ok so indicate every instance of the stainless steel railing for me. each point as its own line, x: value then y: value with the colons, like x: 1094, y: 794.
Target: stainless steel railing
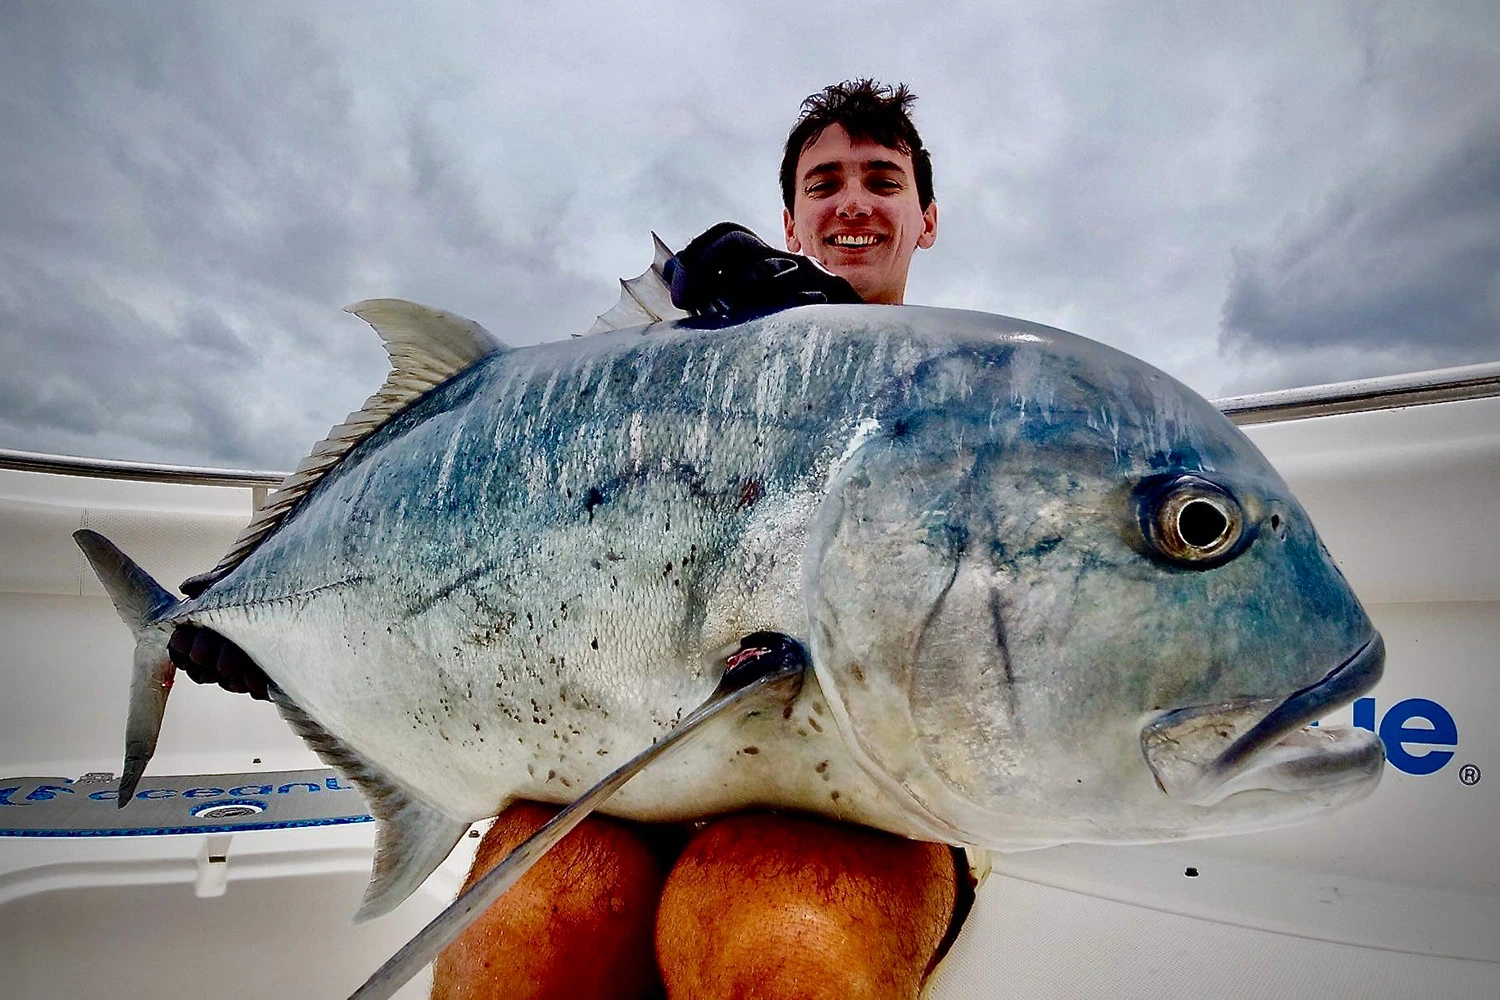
x: 1443, y: 385
x: 147, y: 472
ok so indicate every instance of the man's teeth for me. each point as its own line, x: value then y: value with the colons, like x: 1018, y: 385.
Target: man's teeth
x: 854, y: 241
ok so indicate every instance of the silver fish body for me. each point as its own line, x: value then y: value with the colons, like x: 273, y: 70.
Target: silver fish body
x: 526, y: 577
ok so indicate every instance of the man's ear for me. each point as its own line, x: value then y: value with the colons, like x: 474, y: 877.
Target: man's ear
x: 792, y: 243
x: 929, y: 226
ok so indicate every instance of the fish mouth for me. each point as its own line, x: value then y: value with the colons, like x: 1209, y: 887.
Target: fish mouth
x: 1205, y: 753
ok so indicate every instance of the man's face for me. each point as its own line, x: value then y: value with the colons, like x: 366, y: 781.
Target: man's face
x: 856, y: 211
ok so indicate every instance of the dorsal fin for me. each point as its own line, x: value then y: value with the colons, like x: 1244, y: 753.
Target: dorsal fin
x: 644, y: 298
x: 427, y: 347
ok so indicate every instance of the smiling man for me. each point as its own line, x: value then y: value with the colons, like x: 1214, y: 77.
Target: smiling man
x: 856, y: 183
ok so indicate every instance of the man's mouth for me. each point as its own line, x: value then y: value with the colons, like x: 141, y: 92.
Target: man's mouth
x: 854, y: 241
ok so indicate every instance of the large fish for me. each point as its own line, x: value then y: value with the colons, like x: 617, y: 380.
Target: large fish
x: 1049, y: 593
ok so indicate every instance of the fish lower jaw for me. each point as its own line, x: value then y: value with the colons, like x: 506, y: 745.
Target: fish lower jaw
x: 1312, y: 761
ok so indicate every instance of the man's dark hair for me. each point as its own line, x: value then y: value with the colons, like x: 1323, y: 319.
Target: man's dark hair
x: 869, y: 112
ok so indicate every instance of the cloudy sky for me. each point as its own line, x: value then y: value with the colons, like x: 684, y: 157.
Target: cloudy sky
x: 1249, y: 195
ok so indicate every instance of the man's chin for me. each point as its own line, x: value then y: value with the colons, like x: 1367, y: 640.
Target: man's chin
x: 869, y: 279
x: 875, y: 289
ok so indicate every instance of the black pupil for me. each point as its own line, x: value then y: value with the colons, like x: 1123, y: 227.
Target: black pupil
x: 1201, y: 523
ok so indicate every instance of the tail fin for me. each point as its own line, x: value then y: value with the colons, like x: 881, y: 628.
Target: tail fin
x: 142, y: 603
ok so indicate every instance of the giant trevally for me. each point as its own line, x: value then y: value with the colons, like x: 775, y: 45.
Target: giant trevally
x: 1049, y: 593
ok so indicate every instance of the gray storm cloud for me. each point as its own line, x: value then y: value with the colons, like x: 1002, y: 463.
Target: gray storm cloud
x: 190, y: 193
x: 1409, y: 263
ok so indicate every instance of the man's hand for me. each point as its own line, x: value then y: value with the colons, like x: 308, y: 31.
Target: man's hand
x: 209, y: 658
x: 730, y: 271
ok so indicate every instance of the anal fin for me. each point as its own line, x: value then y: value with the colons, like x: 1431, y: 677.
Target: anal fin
x: 413, y: 837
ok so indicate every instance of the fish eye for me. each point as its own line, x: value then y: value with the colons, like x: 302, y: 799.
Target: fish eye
x: 1192, y: 521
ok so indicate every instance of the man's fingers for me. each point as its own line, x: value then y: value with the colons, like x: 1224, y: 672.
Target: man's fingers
x: 209, y: 658
x: 767, y: 905
x: 180, y: 649
x: 205, y: 651
x: 182, y: 639
x: 232, y: 666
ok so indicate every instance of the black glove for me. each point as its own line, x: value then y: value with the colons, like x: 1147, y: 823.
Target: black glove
x: 729, y: 270
x: 209, y: 658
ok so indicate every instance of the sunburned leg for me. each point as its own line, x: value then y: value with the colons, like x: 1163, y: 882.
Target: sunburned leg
x: 766, y: 907
x: 578, y: 925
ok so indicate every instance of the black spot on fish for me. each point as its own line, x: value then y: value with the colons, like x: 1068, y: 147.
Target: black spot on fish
x: 752, y: 751
x: 814, y: 723
x: 1046, y: 545
x: 834, y: 796
x: 594, y: 642
x: 822, y: 766
x: 594, y: 499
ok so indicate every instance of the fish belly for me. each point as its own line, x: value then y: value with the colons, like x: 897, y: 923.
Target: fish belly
x: 461, y: 714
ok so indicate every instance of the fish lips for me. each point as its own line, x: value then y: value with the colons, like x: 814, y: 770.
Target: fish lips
x: 1269, y: 746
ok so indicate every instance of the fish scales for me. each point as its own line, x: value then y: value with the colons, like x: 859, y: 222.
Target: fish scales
x: 653, y: 559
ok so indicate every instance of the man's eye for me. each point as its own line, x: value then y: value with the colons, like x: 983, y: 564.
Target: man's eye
x: 885, y: 186
x: 822, y: 187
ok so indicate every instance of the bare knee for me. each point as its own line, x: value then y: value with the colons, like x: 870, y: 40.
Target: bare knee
x: 762, y: 906
x: 578, y: 925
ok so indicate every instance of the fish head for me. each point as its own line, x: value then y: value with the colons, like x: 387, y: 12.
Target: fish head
x: 1056, y: 597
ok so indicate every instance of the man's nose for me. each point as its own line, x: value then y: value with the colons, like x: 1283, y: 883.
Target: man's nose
x: 853, y: 206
